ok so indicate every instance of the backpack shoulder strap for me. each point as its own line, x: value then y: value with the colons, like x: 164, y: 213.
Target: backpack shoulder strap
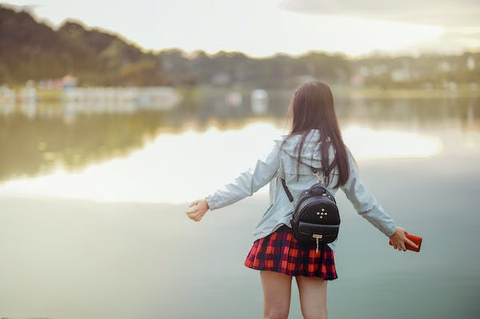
x: 290, y: 197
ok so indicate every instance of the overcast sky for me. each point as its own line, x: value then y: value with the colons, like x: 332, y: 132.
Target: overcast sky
x: 261, y: 28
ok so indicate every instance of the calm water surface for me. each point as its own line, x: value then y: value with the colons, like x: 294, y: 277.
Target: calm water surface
x: 92, y: 221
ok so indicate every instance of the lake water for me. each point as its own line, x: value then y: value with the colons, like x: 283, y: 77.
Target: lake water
x: 92, y: 221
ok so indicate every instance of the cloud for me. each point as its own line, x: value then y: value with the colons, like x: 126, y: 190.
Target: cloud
x: 454, y: 40
x: 446, y: 13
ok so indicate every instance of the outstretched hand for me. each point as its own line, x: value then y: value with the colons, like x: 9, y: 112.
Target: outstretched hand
x: 198, y: 210
x: 399, y: 240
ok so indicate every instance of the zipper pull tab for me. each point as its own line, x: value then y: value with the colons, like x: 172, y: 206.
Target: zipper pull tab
x: 317, y: 237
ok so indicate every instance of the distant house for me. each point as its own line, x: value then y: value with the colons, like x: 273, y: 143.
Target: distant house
x: 401, y: 74
x: 69, y: 81
x: 357, y: 80
x: 66, y: 82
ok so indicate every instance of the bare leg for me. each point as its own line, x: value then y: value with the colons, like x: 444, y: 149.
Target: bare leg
x: 313, y: 297
x: 276, y: 294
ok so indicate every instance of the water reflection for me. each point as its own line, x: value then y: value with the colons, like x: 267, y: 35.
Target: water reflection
x: 160, y: 171
x: 39, y: 143
x: 31, y: 147
x: 367, y: 143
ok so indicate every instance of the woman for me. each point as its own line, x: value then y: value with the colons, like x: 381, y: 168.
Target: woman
x: 314, y: 140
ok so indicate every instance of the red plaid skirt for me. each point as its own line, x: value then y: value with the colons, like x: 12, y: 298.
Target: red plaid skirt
x: 282, y: 252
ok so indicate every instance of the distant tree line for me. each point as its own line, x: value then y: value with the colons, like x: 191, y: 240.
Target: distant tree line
x: 31, y: 50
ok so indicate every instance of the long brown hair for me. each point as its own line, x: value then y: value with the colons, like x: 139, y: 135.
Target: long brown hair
x: 312, y: 107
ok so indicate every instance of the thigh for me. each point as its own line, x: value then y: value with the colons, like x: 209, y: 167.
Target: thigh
x: 276, y: 291
x: 313, y: 296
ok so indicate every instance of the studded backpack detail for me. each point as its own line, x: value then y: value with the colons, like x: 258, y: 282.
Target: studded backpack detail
x: 315, y: 216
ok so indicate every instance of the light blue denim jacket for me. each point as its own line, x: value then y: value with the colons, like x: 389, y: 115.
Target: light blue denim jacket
x: 282, y: 163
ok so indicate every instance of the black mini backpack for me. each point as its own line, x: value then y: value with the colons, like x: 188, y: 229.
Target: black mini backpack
x: 315, y: 216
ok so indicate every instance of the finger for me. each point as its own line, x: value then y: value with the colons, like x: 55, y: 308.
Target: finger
x: 411, y: 243
x: 193, y: 213
x: 192, y: 210
x: 195, y: 202
x: 196, y: 214
x: 194, y: 218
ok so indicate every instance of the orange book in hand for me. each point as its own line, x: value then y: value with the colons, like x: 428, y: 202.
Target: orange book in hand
x: 416, y: 239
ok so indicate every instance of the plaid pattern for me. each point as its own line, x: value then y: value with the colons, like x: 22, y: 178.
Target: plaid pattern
x: 282, y: 252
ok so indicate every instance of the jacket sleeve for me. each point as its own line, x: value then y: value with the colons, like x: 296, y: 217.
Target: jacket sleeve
x: 248, y: 182
x: 365, y: 202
